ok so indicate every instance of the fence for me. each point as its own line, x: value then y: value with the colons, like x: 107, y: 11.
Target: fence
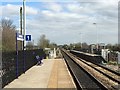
x: 9, y: 63
x: 89, y: 57
x: 113, y: 56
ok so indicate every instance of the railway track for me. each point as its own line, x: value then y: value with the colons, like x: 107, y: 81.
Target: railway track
x: 82, y: 78
x: 102, y: 66
x: 105, y: 71
x: 113, y: 75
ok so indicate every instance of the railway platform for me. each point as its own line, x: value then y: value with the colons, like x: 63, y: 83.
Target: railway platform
x: 53, y: 73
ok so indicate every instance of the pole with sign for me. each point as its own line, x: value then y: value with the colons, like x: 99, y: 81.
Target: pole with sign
x: 19, y: 37
x: 16, y: 57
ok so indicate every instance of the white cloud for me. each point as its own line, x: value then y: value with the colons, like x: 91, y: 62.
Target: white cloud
x: 13, y: 10
x: 38, y: 1
x: 96, y: 10
x: 62, y: 22
x: 10, y: 9
x: 60, y: 1
x: 48, y: 13
x: 31, y: 11
x: 70, y: 24
x: 64, y: 15
x: 54, y: 7
x: 74, y: 7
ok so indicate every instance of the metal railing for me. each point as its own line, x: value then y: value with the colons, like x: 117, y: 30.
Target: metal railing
x: 25, y: 61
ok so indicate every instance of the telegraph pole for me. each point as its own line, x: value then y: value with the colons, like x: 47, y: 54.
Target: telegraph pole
x: 81, y: 39
x: 97, y: 34
x: 24, y: 22
x: 21, y: 20
x: 21, y: 26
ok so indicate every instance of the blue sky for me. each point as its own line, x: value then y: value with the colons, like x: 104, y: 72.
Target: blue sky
x: 65, y: 22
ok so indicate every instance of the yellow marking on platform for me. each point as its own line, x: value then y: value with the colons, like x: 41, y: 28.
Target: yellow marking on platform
x: 60, y: 76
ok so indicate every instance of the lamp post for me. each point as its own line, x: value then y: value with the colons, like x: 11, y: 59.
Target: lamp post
x: 24, y: 23
x: 21, y: 26
x: 81, y: 39
x: 24, y: 36
x: 97, y: 35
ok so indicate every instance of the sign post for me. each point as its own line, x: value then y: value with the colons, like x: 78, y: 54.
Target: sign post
x: 16, y: 57
x: 19, y: 37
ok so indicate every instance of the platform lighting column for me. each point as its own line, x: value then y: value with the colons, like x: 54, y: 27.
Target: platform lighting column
x: 81, y: 39
x: 96, y: 35
x: 24, y: 22
x: 24, y: 44
x: 21, y: 26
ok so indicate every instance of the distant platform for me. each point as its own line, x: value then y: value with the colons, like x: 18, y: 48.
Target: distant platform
x: 53, y: 73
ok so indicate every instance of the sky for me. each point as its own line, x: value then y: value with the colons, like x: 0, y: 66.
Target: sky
x: 67, y: 21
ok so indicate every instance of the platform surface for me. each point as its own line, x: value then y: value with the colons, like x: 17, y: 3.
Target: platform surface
x: 53, y: 73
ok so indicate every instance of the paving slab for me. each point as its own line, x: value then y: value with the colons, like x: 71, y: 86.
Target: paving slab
x: 35, y: 77
x: 60, y: 76
x: 53, y: 73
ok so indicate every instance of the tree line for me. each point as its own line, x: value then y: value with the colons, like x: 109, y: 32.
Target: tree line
x: 42, y: 43
x: 8, y: 31
x: 85, y: 46
x: 8, y: 38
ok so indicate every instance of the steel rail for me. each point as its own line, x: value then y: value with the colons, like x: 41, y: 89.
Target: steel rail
x: 83, y: 78
x: 116, y: 80
x: 104, y: 73
x: 117, y: 73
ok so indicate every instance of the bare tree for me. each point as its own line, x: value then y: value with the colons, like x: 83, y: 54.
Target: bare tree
x: 43, y: 42
x: 8, y: 35
x: 53, y: 45
x: 85, y: 45
x: 30, y: 45
x: 7, y: 25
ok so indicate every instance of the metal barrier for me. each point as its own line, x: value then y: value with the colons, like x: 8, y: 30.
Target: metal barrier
x: 89, y: 57
x: 113, y: 56
x: 25, y: 61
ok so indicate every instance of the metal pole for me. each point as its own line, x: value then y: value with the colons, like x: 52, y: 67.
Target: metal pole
x: 24, y: 36
x: 16, y: 57
x: 21, y: 26
x: 21, y: 20
x: 81, y: 39
x: 97, y: 34
x: 24, y: 21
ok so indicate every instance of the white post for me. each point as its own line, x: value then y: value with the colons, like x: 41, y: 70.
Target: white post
x: 105, y: 53
x: 108, y: 54
x: 54, y: 53
x: 24, y: 24
x: 92, y: 47
x: 118, y: 57
x: 24, y: 44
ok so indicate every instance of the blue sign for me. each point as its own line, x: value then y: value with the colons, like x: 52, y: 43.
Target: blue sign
x: 28, y: 37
